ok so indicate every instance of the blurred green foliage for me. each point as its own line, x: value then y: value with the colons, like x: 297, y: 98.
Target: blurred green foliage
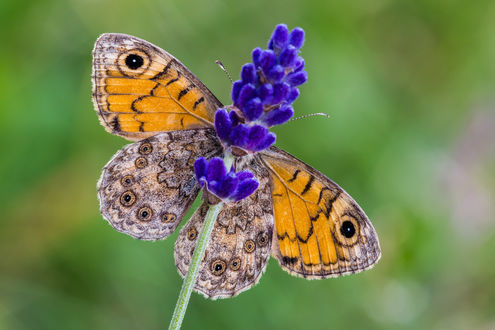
x: 409, y: 86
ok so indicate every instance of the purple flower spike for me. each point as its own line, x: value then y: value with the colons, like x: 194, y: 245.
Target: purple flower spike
x: 279, y: 37
x: 263, y: 96
x: 223, y: 124
x: 296, y: 37
x: 248, y: 73
x: 228, y: 186
x: 278, y: 116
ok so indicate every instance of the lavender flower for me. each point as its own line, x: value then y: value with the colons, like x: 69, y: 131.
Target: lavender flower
x: 264, y: 94
x: 227, y: 186
x: 262, y: 99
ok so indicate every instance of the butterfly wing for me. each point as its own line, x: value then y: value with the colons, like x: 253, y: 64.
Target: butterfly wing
x: 148, y: 186
x: 140, y: 90
x: 320, y: 231
x: 240, y: 244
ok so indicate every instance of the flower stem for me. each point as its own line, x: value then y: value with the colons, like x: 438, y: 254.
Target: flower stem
x: 190, y: 279
x: 199, y: 251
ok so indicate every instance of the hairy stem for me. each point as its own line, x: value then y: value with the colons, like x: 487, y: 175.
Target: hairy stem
x: 192, y: 272
x: 199, y: 251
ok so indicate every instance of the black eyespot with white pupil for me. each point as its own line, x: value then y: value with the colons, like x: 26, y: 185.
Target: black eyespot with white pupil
x: 126, y: 180
x: 134, y: 61
x: 249, y: 246
x: 235, y: 263
x: 144, y: 213
x: 127, y: 198
x: 347, y: 229
x: 145, y: 148
x: 262, y: 239
x: 218, y: 267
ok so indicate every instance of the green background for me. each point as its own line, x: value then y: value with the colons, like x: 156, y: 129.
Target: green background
x: 409, y: 86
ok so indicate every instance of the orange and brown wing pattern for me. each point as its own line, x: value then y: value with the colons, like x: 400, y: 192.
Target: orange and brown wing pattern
x: 320, y: 231
x: 140, y: 90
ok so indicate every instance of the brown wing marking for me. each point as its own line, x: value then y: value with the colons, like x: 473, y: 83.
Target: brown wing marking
x: 148, y: 186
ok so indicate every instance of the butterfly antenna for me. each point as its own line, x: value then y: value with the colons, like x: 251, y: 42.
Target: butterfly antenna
x: 220, y: 64
x: 311, y: 115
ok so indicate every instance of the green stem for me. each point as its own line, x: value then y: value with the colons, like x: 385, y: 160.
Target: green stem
x: 187, y: 286
x: 199, y: 251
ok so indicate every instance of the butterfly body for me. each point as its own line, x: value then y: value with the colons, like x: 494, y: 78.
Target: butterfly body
x: 298, y: 215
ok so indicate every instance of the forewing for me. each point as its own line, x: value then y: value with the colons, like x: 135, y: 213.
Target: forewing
x: 140, y: 90
x: 320, y: 231
x: 240, y: 244
x: 148, y: 186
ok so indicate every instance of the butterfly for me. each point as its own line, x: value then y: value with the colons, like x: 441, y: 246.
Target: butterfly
x: 297, y: 215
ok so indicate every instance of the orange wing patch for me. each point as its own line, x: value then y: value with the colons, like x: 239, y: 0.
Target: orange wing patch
x: 320, y: 231
x: 140, y: 90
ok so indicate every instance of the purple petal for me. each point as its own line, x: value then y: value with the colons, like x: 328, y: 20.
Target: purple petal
x: 256, y: 135
x: 256, y: 56
x: 288, y: 56
x: 247, y: 92
x: 297, y: 78
x: 243, y: 175
x: 276, y: 73
x: 270, y: 44
x: 245, y: 188
x: 248, y: 73
x: 267, y: 60
x: 239, y: 135
x: 280, y: 36
x: 278, y: 116
x: 225, y: 187
x: 215, y: 170
x: 280, y: 92
x: 298, y: 64
x: 267, y: 142
x: 265, y: 92
x: 253, y: 109
x: 236, y: 89
x: 293, y: 95
x: 296, y: 37
x: 200, y: 169
x: 223, y: 124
